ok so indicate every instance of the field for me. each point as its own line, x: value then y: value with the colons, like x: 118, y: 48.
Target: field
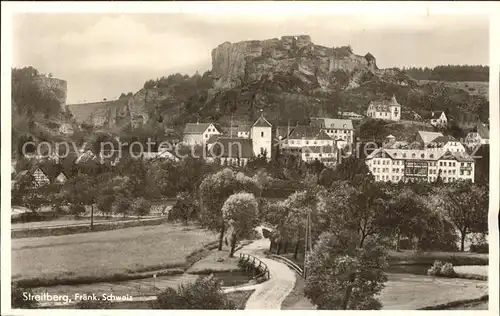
x: 104, y: 254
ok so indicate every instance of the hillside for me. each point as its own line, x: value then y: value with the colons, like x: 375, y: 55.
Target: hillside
x: 480, y: 88
x: 291, y: 79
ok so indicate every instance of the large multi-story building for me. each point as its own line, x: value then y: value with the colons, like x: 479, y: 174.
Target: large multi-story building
x: 306, y: 136
x: 385, y: 110
x: 405, y: 165
x: 342, y: 131
x: 446, y: 143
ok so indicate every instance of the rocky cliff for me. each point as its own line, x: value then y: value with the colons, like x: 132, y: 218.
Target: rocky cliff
x: 234, y: 64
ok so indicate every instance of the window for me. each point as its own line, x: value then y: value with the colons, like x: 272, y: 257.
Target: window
x: 261, y: 134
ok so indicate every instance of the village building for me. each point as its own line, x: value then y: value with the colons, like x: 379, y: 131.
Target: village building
x: 438, y: 119
x: 385, y: 110
x: 242, y: 131
x: 305, y: 136
x: 230, y: 151
x: 199, y: 133
x: 40, y: 177
x: 342, y: 131
x: 44, y: 174
x: 394, y: 165
x: 350, y: 115
x: 61, y: 178
x: 325, y: 154
x: 481, y: 136
x: 447, y: 143
x: 66, y: 129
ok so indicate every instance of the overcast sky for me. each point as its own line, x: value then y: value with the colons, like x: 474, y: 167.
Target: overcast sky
x: 101, y: 56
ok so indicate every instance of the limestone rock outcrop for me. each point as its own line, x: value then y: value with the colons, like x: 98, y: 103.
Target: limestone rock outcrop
x: 234, y: 64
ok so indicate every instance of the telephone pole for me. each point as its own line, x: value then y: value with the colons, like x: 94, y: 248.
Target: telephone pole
x: 308, y: 242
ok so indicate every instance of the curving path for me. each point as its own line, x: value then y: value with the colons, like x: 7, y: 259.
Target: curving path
x: 271, y: 293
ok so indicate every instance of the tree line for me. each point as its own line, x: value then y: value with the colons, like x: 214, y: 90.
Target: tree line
x: 450, y: 73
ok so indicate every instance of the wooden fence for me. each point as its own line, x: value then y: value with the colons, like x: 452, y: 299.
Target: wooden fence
x: 292, y: 265
x: 255, y: 263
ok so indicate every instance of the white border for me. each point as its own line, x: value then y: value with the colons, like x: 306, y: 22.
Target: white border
x: 274, y: 8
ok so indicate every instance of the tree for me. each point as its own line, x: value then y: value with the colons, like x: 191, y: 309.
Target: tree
x: 204, y: 293
x: 352, y: 169
x: 407, y: 215
x: 141, y: 207
x: 214, y: 190
x: 342, y: 276
x: 81, y: 191
x: 466, y: 205
x: 356, y: 208
x: 185, y: 208
x: 240, y: 215
x: 367, y: 203
x: 299, y: 205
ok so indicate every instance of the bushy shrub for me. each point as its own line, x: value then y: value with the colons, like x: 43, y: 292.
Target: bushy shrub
x: 18, y: 300
x: 442, y: 269
x: 204, y: 293
x: 436, y: 268
x: 480, y: 248
x: 447, y: 270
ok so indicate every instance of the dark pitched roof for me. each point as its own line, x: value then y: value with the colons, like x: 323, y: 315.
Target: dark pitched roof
x: 369, y: 56
x: 199, y: 128
x: 262, y: 122
x: 227, y: 147
x: 441, y: 141
x: 308, y: 132
x: 436, y: 114
x: 332, y: 123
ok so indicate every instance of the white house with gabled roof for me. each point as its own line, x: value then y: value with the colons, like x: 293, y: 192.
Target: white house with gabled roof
x: 384, y: 110
x: 200, y: 133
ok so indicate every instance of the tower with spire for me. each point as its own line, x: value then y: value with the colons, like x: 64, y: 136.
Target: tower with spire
x: 395, y: 108
x: 261, y: 134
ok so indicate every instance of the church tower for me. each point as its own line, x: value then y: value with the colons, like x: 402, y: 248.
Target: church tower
x: 395, y: 109
x: 261, y: 134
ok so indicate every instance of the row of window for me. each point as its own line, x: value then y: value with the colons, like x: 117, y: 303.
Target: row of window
x: 399, y: 178
x: 331, y: 131
x: 431, y: 163
x: 328, y: 155
x: 315, y: 142
x: 394, y: 170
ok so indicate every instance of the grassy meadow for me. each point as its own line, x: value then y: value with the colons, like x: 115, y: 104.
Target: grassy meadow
x: 100, y: 255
